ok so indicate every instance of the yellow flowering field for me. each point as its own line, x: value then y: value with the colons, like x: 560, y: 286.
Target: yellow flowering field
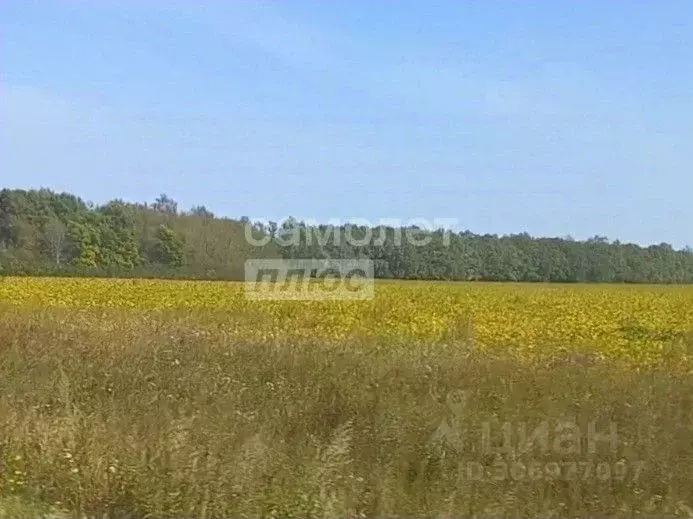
x: 640, y: 323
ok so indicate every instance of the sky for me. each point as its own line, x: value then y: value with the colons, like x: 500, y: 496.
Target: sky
x: 553, y: 118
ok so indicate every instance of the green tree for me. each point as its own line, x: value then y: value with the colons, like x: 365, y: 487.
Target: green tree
x: 169, y: 247
x: 86, y: 243
x: 120, y: 246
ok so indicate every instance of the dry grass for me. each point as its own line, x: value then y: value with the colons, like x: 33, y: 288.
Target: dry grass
x: 145, y: 415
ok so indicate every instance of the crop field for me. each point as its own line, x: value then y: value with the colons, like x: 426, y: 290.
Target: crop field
x: 151, y: 398
x: 643, y: 324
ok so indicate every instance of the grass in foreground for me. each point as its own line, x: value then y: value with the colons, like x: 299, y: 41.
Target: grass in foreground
x: 144, y: 415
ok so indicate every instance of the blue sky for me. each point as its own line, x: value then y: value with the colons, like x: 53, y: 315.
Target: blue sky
x: 552, y: 118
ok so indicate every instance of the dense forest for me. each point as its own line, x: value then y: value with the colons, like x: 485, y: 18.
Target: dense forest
x: 48, y: 233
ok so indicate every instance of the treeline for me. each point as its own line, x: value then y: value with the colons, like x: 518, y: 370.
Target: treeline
x: 468, y: 256
x: 48, y: 233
